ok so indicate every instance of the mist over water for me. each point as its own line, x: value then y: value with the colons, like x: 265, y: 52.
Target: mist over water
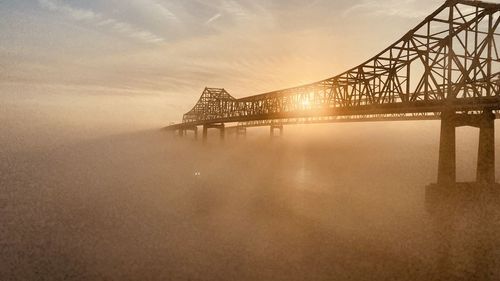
x: 91, y: 187
x: 325, y: 202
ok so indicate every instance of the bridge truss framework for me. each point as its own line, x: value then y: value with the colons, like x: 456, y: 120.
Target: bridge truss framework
x: 446, y: 68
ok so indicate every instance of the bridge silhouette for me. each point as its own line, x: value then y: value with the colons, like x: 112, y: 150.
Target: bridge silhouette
x: 446, y: 68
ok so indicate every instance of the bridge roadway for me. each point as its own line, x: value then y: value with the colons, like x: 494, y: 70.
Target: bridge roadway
x: 307, y: 117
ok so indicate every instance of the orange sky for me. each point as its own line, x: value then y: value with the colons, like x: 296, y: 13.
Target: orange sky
x: 143, y: 63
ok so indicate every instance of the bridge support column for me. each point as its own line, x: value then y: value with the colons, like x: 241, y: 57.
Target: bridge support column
x: 184, y: 131
x: 447, y: 153
x: 486, y: 151
x: 205, y: 133
x: 195, y: 130
x: 472, y: 204
x: 276, y: 127
x: 222, y: 130
x: 241, y: 132
x: 447, y: 147
x: 220, y: 127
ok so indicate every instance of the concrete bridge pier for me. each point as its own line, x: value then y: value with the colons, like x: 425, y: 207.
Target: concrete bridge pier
x: 195, y: 130
x: 447, y: 147
x: 183, y: 131
x: 220, y: 127
x: 241, y: 132
x: 180, y: 133
x: 474, y: 204
x: 276, y: 127
x: 486, y: 151
x: 222, y: 131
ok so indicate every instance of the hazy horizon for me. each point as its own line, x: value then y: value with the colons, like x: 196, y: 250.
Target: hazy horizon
x: 143, y: 63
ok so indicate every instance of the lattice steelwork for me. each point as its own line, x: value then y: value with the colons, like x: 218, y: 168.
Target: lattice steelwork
x: 213, y: 104
x: 449, y: 61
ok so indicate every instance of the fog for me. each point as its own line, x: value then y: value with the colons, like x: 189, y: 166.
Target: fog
x: 324, y: 202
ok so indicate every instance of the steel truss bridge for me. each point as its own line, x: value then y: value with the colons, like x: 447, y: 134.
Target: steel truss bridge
x: 446, y: 68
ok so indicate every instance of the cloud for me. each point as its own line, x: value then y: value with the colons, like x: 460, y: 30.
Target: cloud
x: 152, y: 8
x: 212, y: 19
x: 77, y: 14
x: 400, y: 8
x: 101, y: 21
x: 164, y: 11
x: 233, y: 8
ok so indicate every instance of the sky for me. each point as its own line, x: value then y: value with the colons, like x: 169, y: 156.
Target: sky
x: 145, y: 62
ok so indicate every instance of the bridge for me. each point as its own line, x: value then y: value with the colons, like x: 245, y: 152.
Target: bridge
x: 446, y: 68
